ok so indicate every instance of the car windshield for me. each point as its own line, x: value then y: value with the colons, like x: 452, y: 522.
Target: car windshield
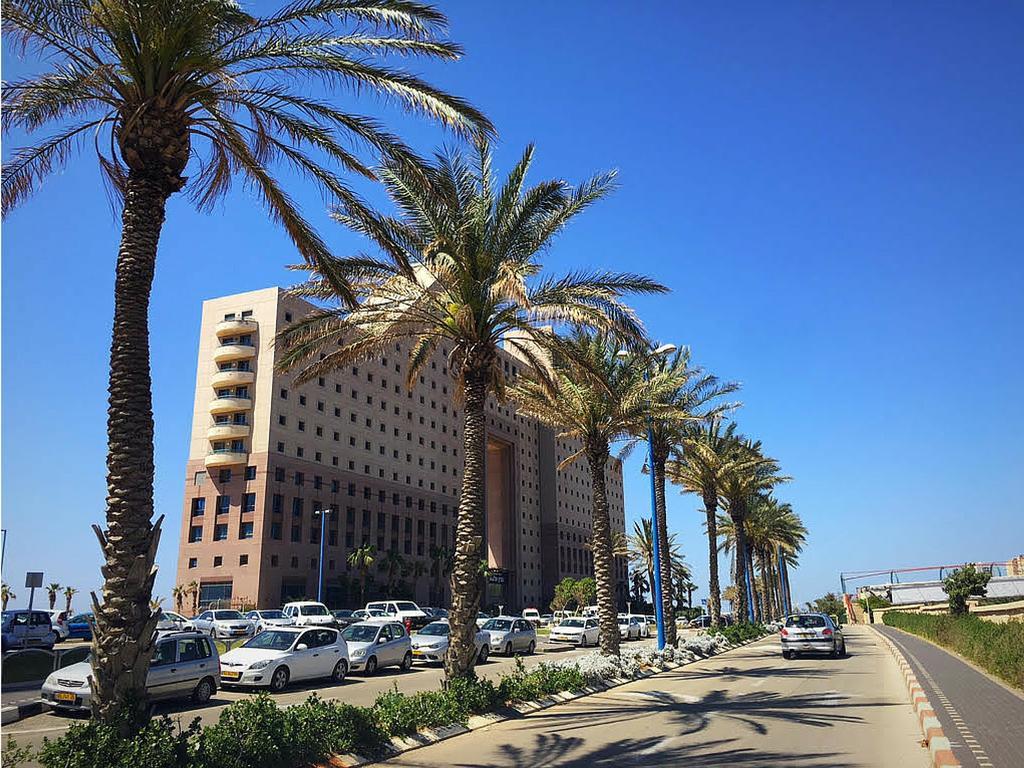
x: 170, y: 615
x: 313, y: 610
x: 806, y: 622
x: 360, y: 633
x: 272, y: 640
x: 407, y: 606
x: 227, y: 615
x: 272, y: 614
x: 437, y: 628
x: 500, y: 625
x: 572, y: 623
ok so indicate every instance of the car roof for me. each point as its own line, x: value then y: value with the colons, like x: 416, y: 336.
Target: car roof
x: 303, y: 602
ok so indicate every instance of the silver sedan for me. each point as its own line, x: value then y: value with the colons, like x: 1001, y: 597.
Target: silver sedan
x: 430, y: 644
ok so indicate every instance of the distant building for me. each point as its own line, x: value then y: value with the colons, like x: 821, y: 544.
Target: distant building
x: 384, y: 463
x: 1015, y: 566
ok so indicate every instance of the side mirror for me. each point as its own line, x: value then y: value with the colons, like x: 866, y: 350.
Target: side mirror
x: 382, y: 639
x: 301, y: 647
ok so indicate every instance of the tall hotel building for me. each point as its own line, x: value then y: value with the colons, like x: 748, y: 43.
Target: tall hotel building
x: 267, y: 458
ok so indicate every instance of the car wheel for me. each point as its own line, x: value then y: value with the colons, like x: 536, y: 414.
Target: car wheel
x: 279, y: 679
x: 583, y: 640
x: 407, y: 661
x: 531, y: 648
x: 508, y: 649
x: 787, y: 655
x: 842, y: 650
x: 482, y: 656
x: 340, y: 670
x: 371, y: 665
x: 204, y: 691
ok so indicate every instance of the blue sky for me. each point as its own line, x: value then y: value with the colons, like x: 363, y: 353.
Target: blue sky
x: 833, y: 191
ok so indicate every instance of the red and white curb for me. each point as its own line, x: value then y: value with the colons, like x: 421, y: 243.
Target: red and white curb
x: 938, y: 745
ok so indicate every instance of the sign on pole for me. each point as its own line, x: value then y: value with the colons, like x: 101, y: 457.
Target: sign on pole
x: 33, y: 579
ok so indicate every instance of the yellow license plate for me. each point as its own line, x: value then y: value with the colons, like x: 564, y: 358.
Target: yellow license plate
x: 65, y: 696
x: 231, y: 675
x: 417, y: 653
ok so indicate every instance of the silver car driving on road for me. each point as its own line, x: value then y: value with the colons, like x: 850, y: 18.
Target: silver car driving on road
x: 811, y: 633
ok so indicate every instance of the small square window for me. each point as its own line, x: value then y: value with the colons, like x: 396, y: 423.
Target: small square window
x: 284, y: 393
x: 193, y: 562
x: 224, y: 476
x: 287, y: 317
x: 218, y: 561
x: 243, y: 559
x: 250, y: 473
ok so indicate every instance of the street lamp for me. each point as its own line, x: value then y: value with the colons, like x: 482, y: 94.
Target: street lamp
x: 320, y: 573
x: 663, y: 351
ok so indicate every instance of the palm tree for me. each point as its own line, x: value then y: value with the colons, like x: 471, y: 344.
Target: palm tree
x: 701, y: 460
x: 69, y: 594
x: 361, y: 559
x: 695, y: 397
x: 596, y: 399
x: 642, y: 550
x: 157, y: 84
x: 52, y: 590
x: 415, y: 570
x: 461, y: 274
x: 775, y: 531
x: 440, y: 565
x: 392, y: 564
x: 6, y: 594
x: 749, y: 473
x: 639, y: 585
x: 178, y: 593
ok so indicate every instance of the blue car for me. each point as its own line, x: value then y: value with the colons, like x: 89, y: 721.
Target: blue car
x: 78, y: 627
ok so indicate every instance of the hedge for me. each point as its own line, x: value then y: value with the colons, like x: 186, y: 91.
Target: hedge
x: 997, y: 648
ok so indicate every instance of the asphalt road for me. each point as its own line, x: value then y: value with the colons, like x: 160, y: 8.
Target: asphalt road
x: 748, y: 707
x: 357, y: 689
x: 983, y: 720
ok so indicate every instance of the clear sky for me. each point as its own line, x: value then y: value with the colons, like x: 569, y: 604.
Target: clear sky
x: 835, y: 193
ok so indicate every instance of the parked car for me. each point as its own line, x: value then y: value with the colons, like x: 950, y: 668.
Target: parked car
x: 431, y: 643
x: 185, y: 665
x: 27, y: 629
x: 547, y: 619
x: 701, y: 622
x: 170, y: 621
x: 435, y: 613
x: 629, y: 627
x: 377, y: 643
x: 509, y: 634
x: 79, y: 627
x: 578, y: 630
x: 268, y: 618
x: 532, y: 615
x: 280, y: 654
x: 811, y: 633
x: 404, y: 611
x: 362, y: 614
x: 482, y: 618
x: 343, y: 617
x: 223, y: 624
x: 647, y: 628
x: 308, y: 613
x: 59, y: 623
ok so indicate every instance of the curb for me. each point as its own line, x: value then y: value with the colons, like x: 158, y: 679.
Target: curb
x: 16, y: 712
x: 400, y: 744
x: 938, y: 745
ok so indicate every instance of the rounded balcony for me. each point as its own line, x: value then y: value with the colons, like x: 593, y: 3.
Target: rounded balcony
x: 230, y: 404
x: 235, y: 327
x: 232, y: 378
x: 226, y: 458
x: 225, y: 353
x: 227, y: 431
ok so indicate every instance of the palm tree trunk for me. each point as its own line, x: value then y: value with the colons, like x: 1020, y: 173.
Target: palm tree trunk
x: 601, y: 547
x: 766, y: 594
x: 667, y: 604
x: 465, y: 579
x: 739, y: 609
x: 714, y: 587
x: 755, y: 590
x: 124, y: 623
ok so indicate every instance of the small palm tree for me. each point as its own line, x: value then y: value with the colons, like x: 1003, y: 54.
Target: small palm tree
x: 391, y: 563
x: 361, y: 559
x: 6, y: 594
x: 52, y: 590
x: 159, y: 85
x: 440, y: 567
x: 178, y: 594
x: 461, y: 273
x: 701, y: 459
x: 698, y: 396
x: 640, y: 586
x: 69, y: 594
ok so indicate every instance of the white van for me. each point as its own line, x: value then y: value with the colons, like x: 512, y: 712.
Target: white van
x: 308, y: 613
x: 404, y: 611
x: 532, y: 615
x: 27, y: 629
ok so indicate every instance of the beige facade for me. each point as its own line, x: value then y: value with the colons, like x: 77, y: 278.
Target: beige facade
x: 381, y: 461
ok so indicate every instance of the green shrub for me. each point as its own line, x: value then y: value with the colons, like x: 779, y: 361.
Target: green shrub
x: 542, y: 680
x: 400, y: 715
x: 315, y: 729
x: 997, y: 648
x: 479, y: 695
x: 964, y: 583
x: 739, y: 633
x: 97, y: 745
x: 249, y: 733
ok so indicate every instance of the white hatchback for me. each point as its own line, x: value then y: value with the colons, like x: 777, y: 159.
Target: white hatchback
x: 374, y: 644
x: 579, y: 630
x: 309, y: 614
x: 278, y: 655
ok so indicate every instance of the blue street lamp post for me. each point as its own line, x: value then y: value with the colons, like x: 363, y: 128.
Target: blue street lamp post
x: 320, y: 571
x: 659, y: 614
